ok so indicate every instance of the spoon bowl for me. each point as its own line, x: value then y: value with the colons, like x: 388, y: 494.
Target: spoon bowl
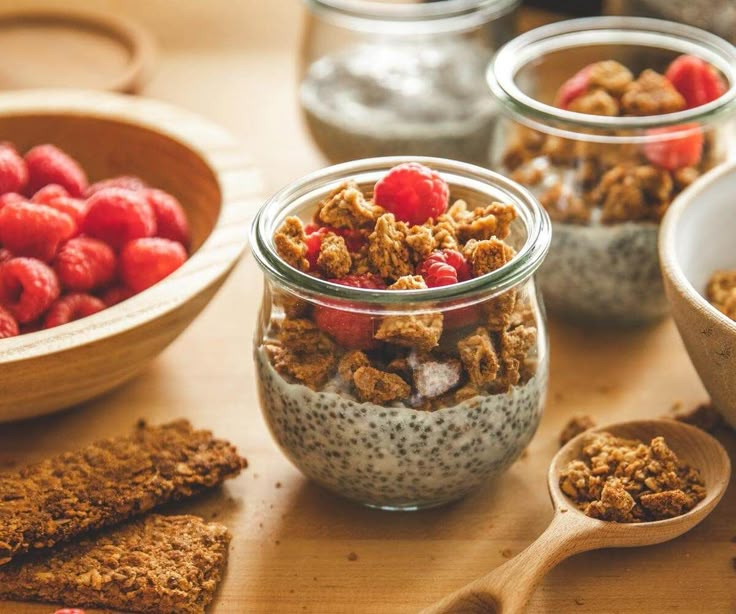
x: 507, y: 589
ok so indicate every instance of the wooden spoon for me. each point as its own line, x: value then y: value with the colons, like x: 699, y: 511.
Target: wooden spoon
x: 507, y: 589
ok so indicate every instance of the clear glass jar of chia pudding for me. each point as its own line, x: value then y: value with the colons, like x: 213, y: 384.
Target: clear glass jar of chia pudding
x: 381, y: 78
x: 403, y: 396
x: 606, y: 120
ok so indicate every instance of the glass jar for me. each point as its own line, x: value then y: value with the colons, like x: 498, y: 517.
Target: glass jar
x: 457, y: 410
x: 394, y: 78
x: 606, y: 181
x: 717, y: 16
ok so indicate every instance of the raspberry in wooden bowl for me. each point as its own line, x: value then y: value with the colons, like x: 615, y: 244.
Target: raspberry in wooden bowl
x: 606, y: 121
x: 401, y: 350
x: 117, y: 226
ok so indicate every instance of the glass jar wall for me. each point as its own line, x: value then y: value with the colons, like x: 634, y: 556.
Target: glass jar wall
x: 395, y: 78
x: 607, y: 177
x: 418, y: 396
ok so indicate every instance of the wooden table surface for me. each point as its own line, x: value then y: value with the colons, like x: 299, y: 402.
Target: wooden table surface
x: 292, y: 539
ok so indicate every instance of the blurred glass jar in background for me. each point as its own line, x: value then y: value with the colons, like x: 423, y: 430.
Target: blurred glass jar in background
x: 606, y: 180
x: 401, y: 78
x: 717, y: 16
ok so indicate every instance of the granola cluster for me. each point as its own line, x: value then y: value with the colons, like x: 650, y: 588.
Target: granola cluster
x: 622, y: 480
x: 721, y: 292
x: 581, y: 181
x: 428, y: 357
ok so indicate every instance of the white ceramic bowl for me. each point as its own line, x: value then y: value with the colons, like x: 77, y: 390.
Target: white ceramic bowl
x: 698, y: 236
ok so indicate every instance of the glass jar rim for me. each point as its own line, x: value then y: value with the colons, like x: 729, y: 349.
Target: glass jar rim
x: 523, y: 265
x: 658, y: 33
x: 420, y: 17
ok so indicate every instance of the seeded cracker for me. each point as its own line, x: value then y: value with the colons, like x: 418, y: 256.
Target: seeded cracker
x: 158, y: 564
x: 108, y: 482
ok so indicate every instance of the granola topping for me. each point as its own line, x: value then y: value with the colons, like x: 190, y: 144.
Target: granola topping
x: 721, y: 292
x: 623, y: 480
x: 421, y: 356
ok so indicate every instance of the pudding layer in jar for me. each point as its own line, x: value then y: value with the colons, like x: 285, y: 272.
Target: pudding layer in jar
x: 402, y: 354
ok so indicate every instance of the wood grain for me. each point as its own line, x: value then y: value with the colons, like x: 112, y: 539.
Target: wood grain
x: 170, y: 149
x: 291, y: 543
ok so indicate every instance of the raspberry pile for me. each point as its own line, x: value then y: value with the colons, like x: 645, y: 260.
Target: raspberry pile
x: 69, y: 249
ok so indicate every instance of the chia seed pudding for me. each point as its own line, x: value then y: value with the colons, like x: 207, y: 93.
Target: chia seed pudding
x: 401, y: 97
x: 402, y: 353
x: 606, y: 158
x: 396, y: 456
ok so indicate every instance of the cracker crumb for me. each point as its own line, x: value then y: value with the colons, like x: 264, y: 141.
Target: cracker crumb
x: 622, y: 480
x: 334, y: 258
x: 479, y: 357
x: 575, y: 426
x: 379, y: 386
x: 291, y: 243
x: 346, y: 207
x: 387, y: 249
x: 421, y: 331
x: 651, y: 94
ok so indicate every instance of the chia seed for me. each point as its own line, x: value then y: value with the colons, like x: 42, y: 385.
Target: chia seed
x: 440, y: 457
x: 401, y: 97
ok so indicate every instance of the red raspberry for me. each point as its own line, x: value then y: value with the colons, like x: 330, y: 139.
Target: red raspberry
x: 126, y: 182
x: 116, y: 294
x: 351, y: 330
x: 58, y: 198
x: 144, y: 262
x: 48, y: 164
x: 439, y: 275
x: 13, y: 170
x: 27, y: 288
x: 171, y: 221
x: 8, y: 325
x: 11, y: 197
x: 34, y: 230
x: 72, y: 307
x: 5, y: 255
x: 117, y: 216
x: 697, y: 81
x: 674, y: 153
x: 84, y: 263
x: 412, y: 192
x: 49, y: 193
x: 573, y: 88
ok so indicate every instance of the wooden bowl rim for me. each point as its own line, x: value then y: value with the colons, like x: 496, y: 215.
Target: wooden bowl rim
x: 135, y: 38
x: 220, y: 251
x: 669, y: 264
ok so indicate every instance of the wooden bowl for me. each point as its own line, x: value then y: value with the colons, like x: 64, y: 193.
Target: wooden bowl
x: 112, y: 134
x: 696, y: 238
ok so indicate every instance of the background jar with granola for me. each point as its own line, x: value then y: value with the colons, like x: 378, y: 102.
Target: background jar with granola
x: 383, y: 389
x: 402, y: 77
x: 606, y: 120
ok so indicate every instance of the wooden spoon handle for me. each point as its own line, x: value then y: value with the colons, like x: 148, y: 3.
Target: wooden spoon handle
x: 507, y: 588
